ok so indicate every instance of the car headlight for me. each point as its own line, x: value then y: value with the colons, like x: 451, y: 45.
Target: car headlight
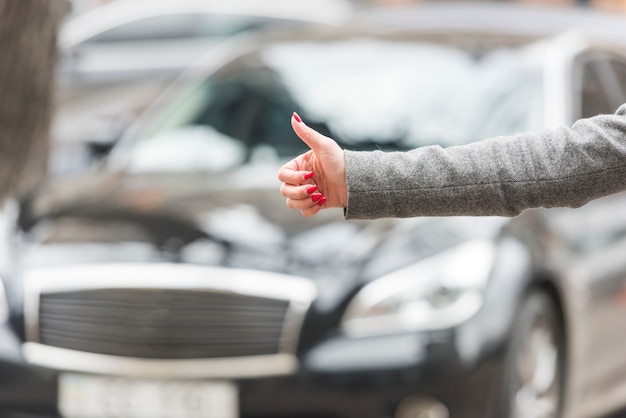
x: 436, y: 293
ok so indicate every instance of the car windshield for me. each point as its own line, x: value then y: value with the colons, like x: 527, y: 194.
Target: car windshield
x: 366, y: 93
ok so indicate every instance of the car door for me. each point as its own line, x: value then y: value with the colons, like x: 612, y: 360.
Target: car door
x: 600, y: 88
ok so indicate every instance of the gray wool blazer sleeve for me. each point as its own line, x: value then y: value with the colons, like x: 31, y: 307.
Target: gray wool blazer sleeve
x: 501, y: 176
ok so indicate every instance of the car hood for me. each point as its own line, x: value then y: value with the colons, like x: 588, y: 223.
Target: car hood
x: 236, y: 219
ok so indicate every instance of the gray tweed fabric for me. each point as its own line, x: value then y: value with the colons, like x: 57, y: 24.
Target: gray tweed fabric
x: 502, y: 176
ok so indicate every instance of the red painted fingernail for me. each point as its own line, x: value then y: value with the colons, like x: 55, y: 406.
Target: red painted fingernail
x: 297, y: 117
x: 309, y: 175
x: 311, y: 189
x: 316, y: 197
x: 321, y: 201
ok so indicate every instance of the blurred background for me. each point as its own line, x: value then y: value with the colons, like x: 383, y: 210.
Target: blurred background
x: 156, y: 271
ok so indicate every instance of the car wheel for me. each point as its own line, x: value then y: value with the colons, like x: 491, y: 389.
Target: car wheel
x: 535, y: 366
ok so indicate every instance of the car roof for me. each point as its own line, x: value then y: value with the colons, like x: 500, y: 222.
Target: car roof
x: 80, y: 27
x: 521, y: 19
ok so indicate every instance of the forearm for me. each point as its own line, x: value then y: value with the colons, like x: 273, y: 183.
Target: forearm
x: 499, y: 176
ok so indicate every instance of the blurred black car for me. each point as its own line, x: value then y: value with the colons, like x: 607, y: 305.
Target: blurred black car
x: 173, y: 281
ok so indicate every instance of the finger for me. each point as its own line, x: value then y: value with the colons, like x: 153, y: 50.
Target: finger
x: 291, y: 176
x: 297, y: 191
x: 307, y: 201
x: 309, y: 205
x: 315, y: 140
x: 300, y: 204
x: 311, y: 210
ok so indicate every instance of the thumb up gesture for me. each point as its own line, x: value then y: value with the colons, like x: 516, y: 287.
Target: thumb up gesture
x: 316, y: 179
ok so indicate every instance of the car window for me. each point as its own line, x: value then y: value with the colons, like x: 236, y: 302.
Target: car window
x: 403, y: 94
x: 179, y: 26
x: 602, y: 85
x: 229, y: 118
x: 367, y: 94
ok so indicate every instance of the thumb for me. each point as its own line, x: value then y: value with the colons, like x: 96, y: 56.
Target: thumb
x: 315, y: 140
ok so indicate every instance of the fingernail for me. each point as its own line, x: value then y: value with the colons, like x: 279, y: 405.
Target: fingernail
x: 311, y: 189
x: 316, y: 197
x: 321, y: 201
x: 297, y: 117
x: 309, y: 175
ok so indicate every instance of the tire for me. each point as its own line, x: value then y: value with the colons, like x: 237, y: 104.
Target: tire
x: 534, y: 370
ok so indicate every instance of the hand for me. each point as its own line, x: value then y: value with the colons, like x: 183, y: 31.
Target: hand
x: 316, y: 179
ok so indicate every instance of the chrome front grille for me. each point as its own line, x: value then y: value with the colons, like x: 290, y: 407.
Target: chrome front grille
x: 164, y: 319
x: 162, y: 323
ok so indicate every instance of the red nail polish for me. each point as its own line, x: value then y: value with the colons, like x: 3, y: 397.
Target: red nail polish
x: 297, y: 117
x: 309, y: 175
x: 311, y: 189
x: 321, y: 201
x: 316, y: 197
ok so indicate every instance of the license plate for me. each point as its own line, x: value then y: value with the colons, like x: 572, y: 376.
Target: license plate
x: 86, y: 396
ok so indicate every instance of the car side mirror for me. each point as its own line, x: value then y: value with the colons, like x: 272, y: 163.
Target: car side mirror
x: 104, y: 138
x: 99, y: 149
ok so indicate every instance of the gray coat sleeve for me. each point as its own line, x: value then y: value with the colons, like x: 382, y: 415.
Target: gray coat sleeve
x: 502, y: 176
